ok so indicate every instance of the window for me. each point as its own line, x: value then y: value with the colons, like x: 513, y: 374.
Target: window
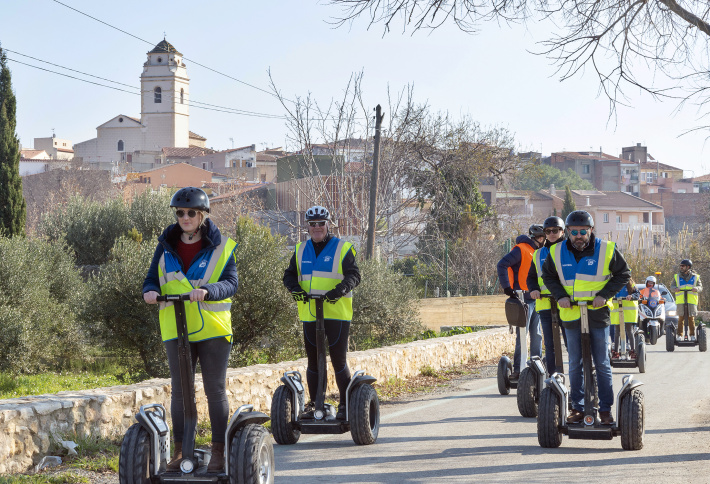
x: 120, y: 145
x: 158, y: 95
x: 650, y: 176
x: 182, y: 96
x: 618, y: 219
x: 585, y: 169
x: 606, y: 218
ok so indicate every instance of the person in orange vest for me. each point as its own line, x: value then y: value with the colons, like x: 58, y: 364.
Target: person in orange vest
x: 513, y: 271
x: 650, y: 290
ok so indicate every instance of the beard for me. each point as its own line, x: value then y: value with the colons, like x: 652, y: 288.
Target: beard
x: 580, y: 244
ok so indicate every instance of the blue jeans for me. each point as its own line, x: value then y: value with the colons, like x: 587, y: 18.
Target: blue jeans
x: 535, y: 337
x: 600, y: 356
x: 546, y: 323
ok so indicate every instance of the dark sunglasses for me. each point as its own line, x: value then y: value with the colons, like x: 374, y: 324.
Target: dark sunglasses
x: 317, y: 224
x: 190, y: 213
x: 580, y: 232
x: 553, y: 230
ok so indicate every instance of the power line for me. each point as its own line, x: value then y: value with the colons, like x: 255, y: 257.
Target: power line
x: 191, y: 60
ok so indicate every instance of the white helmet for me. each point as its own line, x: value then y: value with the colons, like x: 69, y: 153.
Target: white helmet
x: 317, y: 212
x: 651, y: 279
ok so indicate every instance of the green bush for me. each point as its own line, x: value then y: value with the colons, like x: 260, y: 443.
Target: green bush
x: 264, y: 317
x: 40, y: 293
x: 384, y: 307
x: 121, y: 321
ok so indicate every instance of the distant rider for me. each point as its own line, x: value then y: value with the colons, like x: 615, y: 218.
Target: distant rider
x: 686, y: 279
x: 630, y: 311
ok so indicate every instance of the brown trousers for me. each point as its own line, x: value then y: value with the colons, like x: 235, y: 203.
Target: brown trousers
x: 681, y: 325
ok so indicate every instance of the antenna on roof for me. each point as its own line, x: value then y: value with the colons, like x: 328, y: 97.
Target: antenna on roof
x: 53, y: 135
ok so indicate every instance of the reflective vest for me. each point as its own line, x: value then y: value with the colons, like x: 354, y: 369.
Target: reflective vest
x: 629, y: 308
x: 526, y: 256
x: 687, y: 284
x: 205, y: 319
x: 318, y: 275
x: 584, y: 279
x: 542, y: 304
x: 649, y: 292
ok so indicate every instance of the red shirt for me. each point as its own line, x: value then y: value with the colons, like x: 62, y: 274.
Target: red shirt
x: 187, y: 252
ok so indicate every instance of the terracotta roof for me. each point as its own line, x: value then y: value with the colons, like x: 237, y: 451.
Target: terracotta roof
x: 589, y: 155
x: 172, y: 166
x: 186, y: 152
x: 164, y: 46
x: 237, y: 149
x: 652, y: 165
x: 48, y: 160
x: 29, y: 154
x: 238, y: 191
x: 65, y: 150
x: 196, y: 136
x: 702, y: 178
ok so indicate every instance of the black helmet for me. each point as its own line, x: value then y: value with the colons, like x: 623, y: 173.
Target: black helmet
x: 536, y: 230
x: 317, y: 212
x: 686, y: 262
x: 191, y: 197
x: 551, y: 222
x: 579, y: 218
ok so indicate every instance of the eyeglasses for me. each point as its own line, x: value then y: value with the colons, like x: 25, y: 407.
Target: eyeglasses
x: 317, y: 224
x: 190, y: 213
x: 580, y: 232
x: 553, y: 230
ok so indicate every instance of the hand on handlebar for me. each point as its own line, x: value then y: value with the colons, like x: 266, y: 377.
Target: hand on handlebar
x: 598, y: 302
x: 299, y: 295
x: 198, y: 294
x: 565, y: 303
x: 150, y: 297
x: 628, y: 298
x: 509, y: 292
x: 695, y: 289
x: 535, y: 294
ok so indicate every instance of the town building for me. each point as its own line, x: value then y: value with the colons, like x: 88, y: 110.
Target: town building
x: 57, y: 149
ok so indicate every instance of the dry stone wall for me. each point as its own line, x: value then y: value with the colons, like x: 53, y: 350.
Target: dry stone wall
x: 27, y: 425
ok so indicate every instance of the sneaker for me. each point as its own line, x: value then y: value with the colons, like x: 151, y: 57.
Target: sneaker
x: 606, y: 418
x: 615, y: 355
x: 341, y: 412
x: 575, y: 417
x: 308, y: 411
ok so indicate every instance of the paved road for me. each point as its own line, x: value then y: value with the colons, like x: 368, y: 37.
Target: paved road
x: 472, y: 433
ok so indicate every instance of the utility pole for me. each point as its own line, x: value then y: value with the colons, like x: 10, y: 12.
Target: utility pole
x: 373, y: 185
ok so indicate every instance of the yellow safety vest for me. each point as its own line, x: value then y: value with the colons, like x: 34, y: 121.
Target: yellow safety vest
x: 630, y: 310
x: 687, y: 284
x: 584, y: 279
x: 318, y: 275
x: 205, y: 319
x: 542, y: 304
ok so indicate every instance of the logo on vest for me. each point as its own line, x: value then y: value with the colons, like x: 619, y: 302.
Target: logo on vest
x: 591, y: 262
x: 327, y: 258
x: 203, y: 264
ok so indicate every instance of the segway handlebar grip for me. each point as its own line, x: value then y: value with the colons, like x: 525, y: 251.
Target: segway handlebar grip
x: 173, y: 297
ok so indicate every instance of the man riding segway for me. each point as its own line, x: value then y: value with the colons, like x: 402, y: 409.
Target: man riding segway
x: 687, y: 285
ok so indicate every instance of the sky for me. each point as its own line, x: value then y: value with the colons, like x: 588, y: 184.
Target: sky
x: 492, y: 76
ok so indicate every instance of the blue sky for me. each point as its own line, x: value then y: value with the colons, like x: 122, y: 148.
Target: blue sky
x: 491, y: 77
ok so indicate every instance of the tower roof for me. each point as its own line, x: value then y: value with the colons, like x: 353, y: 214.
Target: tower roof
x: 164, y: 46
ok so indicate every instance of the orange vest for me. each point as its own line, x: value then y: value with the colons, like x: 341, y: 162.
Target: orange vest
x: 648, y: 292
x: 526, y: 253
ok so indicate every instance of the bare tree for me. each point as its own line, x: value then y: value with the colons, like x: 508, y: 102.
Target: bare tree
x: 626, y: 43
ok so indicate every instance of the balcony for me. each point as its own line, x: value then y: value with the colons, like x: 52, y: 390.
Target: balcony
x: 640, y: 227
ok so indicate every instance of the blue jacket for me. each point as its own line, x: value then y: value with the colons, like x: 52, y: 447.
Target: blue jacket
x: 513, y: 259
x: 228, y: 282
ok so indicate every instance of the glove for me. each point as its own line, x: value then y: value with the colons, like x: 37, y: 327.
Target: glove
x: 333, y: 295
x: 299, y: 295
x: 509, y: 292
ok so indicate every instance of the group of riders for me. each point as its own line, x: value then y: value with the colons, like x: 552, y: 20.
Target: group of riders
x: 562, y: 261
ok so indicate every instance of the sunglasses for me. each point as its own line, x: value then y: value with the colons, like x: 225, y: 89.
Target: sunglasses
x: 320, y: 223
x: 553, y: 230
x: 190, y: 213
x: 580, y: 232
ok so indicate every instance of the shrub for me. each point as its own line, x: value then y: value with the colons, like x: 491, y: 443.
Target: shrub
x: 264, y: 317
x: 121, y: 321
x: 384, y: 305
x: 40, y: 293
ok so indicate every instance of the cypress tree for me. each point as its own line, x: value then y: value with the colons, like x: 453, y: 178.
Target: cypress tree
x: 569, y: 205
x: 12, y: 203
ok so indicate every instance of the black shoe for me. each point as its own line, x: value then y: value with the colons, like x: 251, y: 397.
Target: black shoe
x: 308, y: 411
x: 515, y: 375
x: 606, y: 418
x: 341, y: 412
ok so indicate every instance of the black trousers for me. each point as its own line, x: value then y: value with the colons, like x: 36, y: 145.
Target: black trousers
x: 214, y: 356
x: 336, y: 333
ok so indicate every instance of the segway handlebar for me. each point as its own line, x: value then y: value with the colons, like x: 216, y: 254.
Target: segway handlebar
x: 173, y: 297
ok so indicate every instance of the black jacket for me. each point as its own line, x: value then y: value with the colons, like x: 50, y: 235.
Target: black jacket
x: 351, y: 272
x: 620, y: 275
x: 512, y: 260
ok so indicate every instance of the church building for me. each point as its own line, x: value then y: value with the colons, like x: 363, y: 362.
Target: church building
x: 133, y: 144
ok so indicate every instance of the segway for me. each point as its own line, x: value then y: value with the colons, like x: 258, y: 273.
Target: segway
x: 516, y: 312
x: 701, y: 339
x: 628, y: 358
x: 532, y: 378
x: 362, y: 407
x: 145, y: 450
x: 554, y: 403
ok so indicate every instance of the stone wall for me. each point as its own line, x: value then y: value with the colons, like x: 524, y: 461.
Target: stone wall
x: 28, y: 424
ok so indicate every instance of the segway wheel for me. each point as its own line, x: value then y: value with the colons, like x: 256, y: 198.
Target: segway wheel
x: 670, y: 339
x: 702, y: 339
x: 285, y: 432
x: 251, y: 456
x: 653, y: 334
x: 364, y: 415
x: 527, y: 386
x: 134, y: 458
x: 632, y: 421
x: 641, y: 357
x: 548, y: 431
x: 504, y: 372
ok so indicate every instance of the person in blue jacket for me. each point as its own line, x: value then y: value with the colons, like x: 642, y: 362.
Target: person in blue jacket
x: 512, y: 273
x: 193, y: 256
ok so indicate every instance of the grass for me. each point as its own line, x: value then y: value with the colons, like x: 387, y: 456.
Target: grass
x: 63, y: 478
